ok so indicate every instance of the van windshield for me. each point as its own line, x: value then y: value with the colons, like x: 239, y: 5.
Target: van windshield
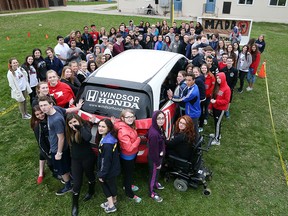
x: 109, y: 102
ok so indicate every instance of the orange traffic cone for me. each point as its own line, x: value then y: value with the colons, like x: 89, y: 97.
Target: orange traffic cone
x: 262, y: 72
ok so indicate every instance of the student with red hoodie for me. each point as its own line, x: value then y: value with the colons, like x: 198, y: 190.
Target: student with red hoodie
x: 220, y: 101
x: 129, y: 143
x: 209, y: 86
x: 60, y: 91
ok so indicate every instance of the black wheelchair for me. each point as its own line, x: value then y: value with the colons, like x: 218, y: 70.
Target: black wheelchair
x: 190, y: 173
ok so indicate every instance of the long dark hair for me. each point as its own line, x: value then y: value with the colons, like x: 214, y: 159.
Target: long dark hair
x: 254, y: 54
x: 34, y: 120
x: 246, y: 53
x: 216, y: 89
x: 72, y: 135
x: 111, y: 130
x: 189, y: 129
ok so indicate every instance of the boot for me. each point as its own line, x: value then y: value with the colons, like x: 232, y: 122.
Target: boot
x: 75, y: 198
x: 91, y: 191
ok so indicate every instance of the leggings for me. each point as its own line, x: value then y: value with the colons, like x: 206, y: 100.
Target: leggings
x: 109, y: 187
x: 218, y: 115
x: 153, y: 176
x: 202, y: 117
x: 128, y: 170
x: 80, y: 166
x: 242, y: 75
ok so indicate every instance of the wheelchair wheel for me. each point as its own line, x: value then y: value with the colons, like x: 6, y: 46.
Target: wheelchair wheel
x: 207, y: 192
x: 181, y: 185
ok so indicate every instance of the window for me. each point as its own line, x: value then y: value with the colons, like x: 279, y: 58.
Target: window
x: 248, y: 2
x: 277, y: 2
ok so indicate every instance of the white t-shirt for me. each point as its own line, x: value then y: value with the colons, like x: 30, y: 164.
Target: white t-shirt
x: 20, y: 79
x: 62, y: 51
x: 33, y: 76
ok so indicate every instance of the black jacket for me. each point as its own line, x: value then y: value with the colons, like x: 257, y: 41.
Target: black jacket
x: 41, y: 133
x: 231, y: 76
x: 82, y: 150
x: 108, y: 158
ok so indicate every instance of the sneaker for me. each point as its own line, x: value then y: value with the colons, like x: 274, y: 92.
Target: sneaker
x: 240, y: 90
x: 27, y: 114
x: 137, y: 199
x: 159, y: 186
x: 212, y: 135
x: 134, y: 188
x: 26, y: 117
x: 40, y: 179
x: 157, y: 198
x: 105, y: 205
x: 227, y: 114
x: 200, y: 129
x: 205, y: 122
x: 63, y: 191
x: 215, y: 142
x: 110, y: 210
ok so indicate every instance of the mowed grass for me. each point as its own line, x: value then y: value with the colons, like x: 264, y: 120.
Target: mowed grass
x: 248, y: 178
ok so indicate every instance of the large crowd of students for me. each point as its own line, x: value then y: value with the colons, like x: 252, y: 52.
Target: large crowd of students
x: 206, y: 86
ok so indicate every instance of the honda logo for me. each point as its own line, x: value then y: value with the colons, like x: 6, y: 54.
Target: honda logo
x: 92, y: 95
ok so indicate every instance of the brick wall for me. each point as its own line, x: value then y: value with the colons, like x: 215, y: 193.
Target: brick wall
x: 23, y: 4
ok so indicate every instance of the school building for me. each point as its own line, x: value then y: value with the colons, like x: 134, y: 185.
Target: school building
x: 257, y: 10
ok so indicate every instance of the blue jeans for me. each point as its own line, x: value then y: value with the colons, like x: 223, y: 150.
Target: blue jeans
x: 251, y: 77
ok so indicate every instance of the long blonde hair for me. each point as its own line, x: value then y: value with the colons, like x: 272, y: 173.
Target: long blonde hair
x: 71, y: 79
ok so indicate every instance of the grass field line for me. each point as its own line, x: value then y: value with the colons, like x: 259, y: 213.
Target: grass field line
x: 275, y: 135
x: 8, y: 110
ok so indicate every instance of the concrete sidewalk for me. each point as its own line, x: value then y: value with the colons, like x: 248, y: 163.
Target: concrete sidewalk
x: 99, y: 9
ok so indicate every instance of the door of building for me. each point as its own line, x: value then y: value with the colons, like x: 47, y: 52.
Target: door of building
x: 210, y: 6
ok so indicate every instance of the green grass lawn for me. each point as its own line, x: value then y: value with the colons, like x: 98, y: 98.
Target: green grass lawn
x: 248, y: 178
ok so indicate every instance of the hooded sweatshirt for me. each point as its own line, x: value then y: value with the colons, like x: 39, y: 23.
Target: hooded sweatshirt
x: 223, y: 95
x: 156, y: 141
x: 108, y: 159
x: 62, y: 93
x: 128, y: 140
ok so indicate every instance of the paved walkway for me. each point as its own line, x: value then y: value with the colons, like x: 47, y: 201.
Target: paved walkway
x: 99, y: 9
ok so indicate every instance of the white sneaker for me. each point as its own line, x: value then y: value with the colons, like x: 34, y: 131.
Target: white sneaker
x: 205, y: 122
x: 215, y: 142
x: 212, y: 135
x: 200, y: 129
x: 248, y: 89
x: 26, y: 117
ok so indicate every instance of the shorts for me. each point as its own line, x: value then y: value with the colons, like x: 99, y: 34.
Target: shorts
x: 62, y: 166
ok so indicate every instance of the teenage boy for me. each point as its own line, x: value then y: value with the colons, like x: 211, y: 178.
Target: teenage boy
x: 59, y: 148
x: 231, y: 78
x: 191, y: 100
x: 61, y: 49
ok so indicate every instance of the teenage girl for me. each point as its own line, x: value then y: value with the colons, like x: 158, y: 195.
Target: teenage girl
x: 78, y: 136
x: 220, y: 101
x: 129, y: 143
x: 20, y: 88
x: 40, y: 128
x: 156, y: 145
x: 108, y: 163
